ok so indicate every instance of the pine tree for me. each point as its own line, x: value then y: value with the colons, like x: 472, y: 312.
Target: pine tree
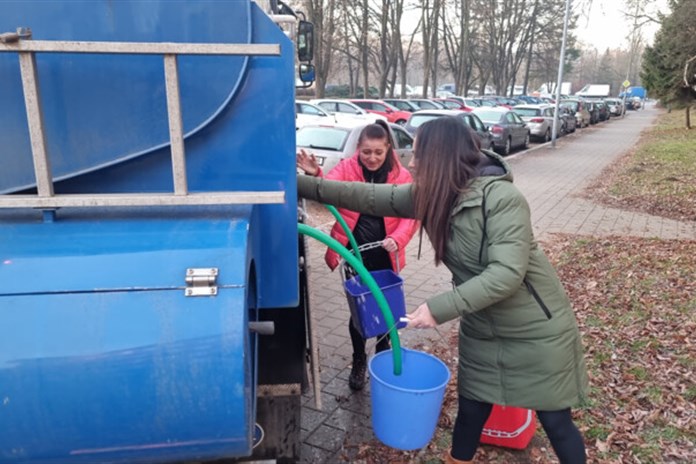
x: 663, y: 72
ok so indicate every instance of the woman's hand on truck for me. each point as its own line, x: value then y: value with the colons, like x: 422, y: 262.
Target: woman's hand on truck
x: 307, y: 162
x: 421, y: 318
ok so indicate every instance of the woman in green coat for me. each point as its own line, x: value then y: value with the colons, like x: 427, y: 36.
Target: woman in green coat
x: 519, y: 344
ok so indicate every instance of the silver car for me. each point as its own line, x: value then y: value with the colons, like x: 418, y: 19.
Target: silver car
x: 346, y: 112
x: 539, y: 119
x: 306, y: 113
x: 331, y: 143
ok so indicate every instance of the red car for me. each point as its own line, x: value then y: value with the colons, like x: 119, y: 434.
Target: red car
x: 392, y: 113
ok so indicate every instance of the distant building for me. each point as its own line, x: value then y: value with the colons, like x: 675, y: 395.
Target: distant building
x: 595, y: 91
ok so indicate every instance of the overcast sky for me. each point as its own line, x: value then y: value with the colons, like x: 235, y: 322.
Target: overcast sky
x: 605, y: 25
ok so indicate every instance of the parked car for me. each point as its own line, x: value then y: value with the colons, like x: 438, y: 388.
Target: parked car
x: 346, y: 112
x: 500, y: 101
x: 567, y: 120
x: 469, y: 118
x: 392, y: 113
x: 601, y: 108
x: 594, y: 112
x: 331, y: 143
x: 452, y: 104
x: 470, y: 102
x: 426, y: 104
x: 615, y: 106
x: 634, y: 103
x: 485, y: 102
x: 404, y: 105
x: 507, y: 129
x: 577, y: 106
x: 307, y: 113
x: 539, y: 119
x: 530, y: 100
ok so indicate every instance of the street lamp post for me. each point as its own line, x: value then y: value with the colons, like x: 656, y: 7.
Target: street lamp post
x: 560, y: 74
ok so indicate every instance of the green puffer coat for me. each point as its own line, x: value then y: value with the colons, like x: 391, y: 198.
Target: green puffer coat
x: 519, y: 343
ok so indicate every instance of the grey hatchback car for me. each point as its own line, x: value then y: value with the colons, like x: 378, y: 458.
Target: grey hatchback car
x: 470, y: 119
x: 507, y: 129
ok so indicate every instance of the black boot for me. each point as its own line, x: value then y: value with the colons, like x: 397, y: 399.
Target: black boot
x: 356, y: 381
x: 382, y: 344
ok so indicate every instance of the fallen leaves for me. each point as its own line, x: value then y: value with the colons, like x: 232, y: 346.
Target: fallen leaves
x: 635, y: 301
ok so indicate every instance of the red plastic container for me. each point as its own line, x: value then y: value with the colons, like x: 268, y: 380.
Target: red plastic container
x: 509, y: 427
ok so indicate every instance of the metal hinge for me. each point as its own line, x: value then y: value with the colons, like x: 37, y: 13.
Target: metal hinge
x: 201, y: 281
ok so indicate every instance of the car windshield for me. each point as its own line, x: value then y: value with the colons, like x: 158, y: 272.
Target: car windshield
x: 487, y: 103
x: 571, y: 105
x: 425, y: 104
x: 418, y: 120
x: 324, y: 138
x: 527, y: 111
x: 488, y: 116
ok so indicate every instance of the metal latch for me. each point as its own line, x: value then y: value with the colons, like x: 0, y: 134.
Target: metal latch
x: 201, y: 281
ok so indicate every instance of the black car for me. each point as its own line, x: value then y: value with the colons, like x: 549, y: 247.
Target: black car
x: 421, y: 117
x: 602, y: 110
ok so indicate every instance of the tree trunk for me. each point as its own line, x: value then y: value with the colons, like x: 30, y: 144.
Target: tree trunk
x: 435, y: 49
x: 427, y: 31
x: 529, y: 62
x: 364, y: 51
x: 323, y: 17
x: 688, y: 116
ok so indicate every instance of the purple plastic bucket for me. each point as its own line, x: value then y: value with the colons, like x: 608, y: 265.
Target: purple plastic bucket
x: 367, y: 317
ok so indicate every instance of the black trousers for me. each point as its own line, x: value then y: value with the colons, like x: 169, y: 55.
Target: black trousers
x: 558, y: 425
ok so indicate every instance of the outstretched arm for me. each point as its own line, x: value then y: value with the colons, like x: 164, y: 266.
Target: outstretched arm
x: 376, y: 199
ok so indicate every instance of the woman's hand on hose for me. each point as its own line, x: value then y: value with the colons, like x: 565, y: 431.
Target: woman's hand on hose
x: 307, y: 162
x: 421, y: 318
x: 390, y: 245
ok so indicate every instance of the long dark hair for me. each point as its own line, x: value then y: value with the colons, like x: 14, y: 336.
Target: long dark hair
x: 446, y: 156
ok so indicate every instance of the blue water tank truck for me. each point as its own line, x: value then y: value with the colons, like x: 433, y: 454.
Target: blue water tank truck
x: 153, y: 293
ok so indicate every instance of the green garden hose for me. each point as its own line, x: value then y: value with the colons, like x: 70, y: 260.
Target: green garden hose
x: 346, y: 230
x: 368, y: 280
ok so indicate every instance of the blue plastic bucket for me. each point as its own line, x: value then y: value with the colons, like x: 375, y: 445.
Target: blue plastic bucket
x: 406, y: 407
x: 367, y: 317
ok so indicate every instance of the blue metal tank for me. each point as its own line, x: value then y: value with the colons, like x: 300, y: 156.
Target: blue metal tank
x: 103, y: 358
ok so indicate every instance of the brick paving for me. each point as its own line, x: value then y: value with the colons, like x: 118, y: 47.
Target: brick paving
x: 551, y: 179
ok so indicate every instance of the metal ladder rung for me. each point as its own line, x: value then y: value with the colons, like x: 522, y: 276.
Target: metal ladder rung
x: 141, y: 199
x: 140, y: 48
x: 26, y: 50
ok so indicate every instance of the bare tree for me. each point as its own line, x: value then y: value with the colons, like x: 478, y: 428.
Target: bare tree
x: 429, y: 32
x: 322, y: 14
x: 404, y: 56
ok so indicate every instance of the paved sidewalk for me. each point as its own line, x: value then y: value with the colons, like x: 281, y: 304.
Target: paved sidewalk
x: 551, y: 180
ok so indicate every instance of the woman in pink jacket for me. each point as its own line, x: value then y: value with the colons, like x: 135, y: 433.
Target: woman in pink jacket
x: 374, y: 161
